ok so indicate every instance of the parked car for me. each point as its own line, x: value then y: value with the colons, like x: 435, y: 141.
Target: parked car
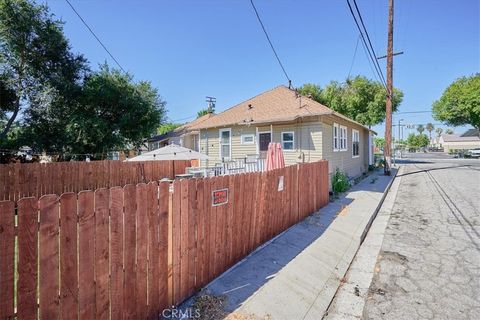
x: 474, y: 153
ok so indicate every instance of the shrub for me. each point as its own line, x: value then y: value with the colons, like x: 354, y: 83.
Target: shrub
x: 340, y: 182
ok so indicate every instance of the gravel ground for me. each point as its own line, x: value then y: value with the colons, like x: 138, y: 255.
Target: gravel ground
x: 429, y: 264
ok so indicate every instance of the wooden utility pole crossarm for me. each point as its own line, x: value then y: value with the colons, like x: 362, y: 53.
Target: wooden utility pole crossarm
x: 388, y: 119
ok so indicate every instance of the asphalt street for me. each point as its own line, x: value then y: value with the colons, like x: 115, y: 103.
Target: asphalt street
x: 429, y: 263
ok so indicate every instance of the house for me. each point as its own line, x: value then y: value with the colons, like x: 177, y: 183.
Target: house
x: 181, y: 136
x: 452, y: 142
x: 307, y: 130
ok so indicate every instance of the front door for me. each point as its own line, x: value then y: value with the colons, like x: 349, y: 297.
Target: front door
x: 264, y: 138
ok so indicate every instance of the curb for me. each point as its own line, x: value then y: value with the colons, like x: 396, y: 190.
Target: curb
x: 374, y: 215
x: 364, y: 234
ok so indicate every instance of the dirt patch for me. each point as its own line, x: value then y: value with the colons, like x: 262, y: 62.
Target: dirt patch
x: 211, y: 307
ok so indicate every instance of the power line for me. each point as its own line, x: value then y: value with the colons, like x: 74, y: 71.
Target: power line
x: 96, y: 37
x: 368, y: 38
x: 370, y: 54
x: 270, y: 42
x: 354, y: 55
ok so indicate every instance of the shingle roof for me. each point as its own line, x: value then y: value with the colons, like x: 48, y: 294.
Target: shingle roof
x: 471, y: 133
x: 180, y: 130
x: 277, y: 105
x: 457, y: 138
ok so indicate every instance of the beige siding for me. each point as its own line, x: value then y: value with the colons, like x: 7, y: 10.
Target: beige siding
x: 344, y: 160
x: 307, y: 141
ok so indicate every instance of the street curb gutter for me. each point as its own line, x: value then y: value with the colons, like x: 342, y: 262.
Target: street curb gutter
x: 364, y: 234
x: 374, y: 215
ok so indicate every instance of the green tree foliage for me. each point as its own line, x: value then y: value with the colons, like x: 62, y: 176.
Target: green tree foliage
x: 112, y: 112
x: 420, y: 128
x: 66, y: 106
x: 379, y: 142
x: 205, y: 111
x: 460, y: 103
x: 311, y: 90
x: 167, y: 127
x: 34, y: 57
x: 358, y: 98
x: 449, y: 131
x: 417, y: 141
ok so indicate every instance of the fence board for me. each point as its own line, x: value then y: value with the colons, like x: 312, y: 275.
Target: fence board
x: 68, y: 256
x: 102, y: 253
x: 153, y: 250
x: 86, y: 255
x: 130, y: 210
x: 7, y: 250
x: 116, y: 252
x: 177, y: 240
x: 184, y: 239
x: 49, y: 262
x: 162, y: 265
x: 192, y: 232
x: 142, y: 243
x: 20, y: 180
x: 27, y: 258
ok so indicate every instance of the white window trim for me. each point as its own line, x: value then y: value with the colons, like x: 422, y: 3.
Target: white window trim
x: 354, y: 131
x: 341, y: 137
x: 247, y: 135
x: 336, y: 137
x: 220, y: 142
x: 293, y: 141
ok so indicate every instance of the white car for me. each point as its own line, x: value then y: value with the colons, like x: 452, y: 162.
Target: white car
x: 474, y: 153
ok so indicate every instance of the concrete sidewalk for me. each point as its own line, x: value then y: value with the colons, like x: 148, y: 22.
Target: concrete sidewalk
x: 296, y: 275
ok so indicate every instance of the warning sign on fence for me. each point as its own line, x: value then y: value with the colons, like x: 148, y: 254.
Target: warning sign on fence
x: 219, y: 197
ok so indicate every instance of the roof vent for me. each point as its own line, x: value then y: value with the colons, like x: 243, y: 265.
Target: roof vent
x: 250, y: 107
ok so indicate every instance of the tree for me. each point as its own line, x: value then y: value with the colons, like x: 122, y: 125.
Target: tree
x: 449, y: 131
x: 202, y: 112
x: 420, y: 128
x: 417, y: 141
x: 358, y: 98
x: 34, y: 57
x: 314, y: 91
x: 429, y: 128
x: 379, y: 142
x: 112, y: 113
x: 460, y: 103
x: 439, y: 131
x: 167, y: 127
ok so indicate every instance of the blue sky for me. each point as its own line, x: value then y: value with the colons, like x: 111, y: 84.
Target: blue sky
x: 191, y: 49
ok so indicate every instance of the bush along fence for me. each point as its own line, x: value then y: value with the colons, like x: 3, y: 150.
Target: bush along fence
x: 35, y: 179
x: 128, y: 253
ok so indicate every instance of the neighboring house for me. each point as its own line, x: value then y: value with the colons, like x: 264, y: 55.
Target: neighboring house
x: 307, y: 130
x: 469, y: 140
x: 181, y: 136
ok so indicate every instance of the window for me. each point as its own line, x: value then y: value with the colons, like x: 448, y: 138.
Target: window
x: 225, y: 142
x: 355, y: 143
x: 335, y: 137
x: 288, y: 139
x: 339, y: 137
x: 343, y: 138
x: 248, y: 139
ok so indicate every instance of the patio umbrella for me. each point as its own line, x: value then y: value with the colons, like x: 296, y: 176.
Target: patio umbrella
x: 170, y: 152
x: 270, y: 161
x: 279, y: 159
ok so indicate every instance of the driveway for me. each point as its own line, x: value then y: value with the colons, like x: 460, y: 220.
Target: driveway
x: 429, y: 262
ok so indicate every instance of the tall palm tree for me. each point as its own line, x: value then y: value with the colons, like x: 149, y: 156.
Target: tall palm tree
x: 420, y: 128
x: 438, y: 131
x: 430, y: 128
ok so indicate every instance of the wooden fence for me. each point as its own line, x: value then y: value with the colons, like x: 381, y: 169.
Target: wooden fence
x: 35, y: 179
x: 128, y: 253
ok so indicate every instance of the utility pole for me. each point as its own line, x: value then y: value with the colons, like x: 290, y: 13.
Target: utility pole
x: 387, y: 152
